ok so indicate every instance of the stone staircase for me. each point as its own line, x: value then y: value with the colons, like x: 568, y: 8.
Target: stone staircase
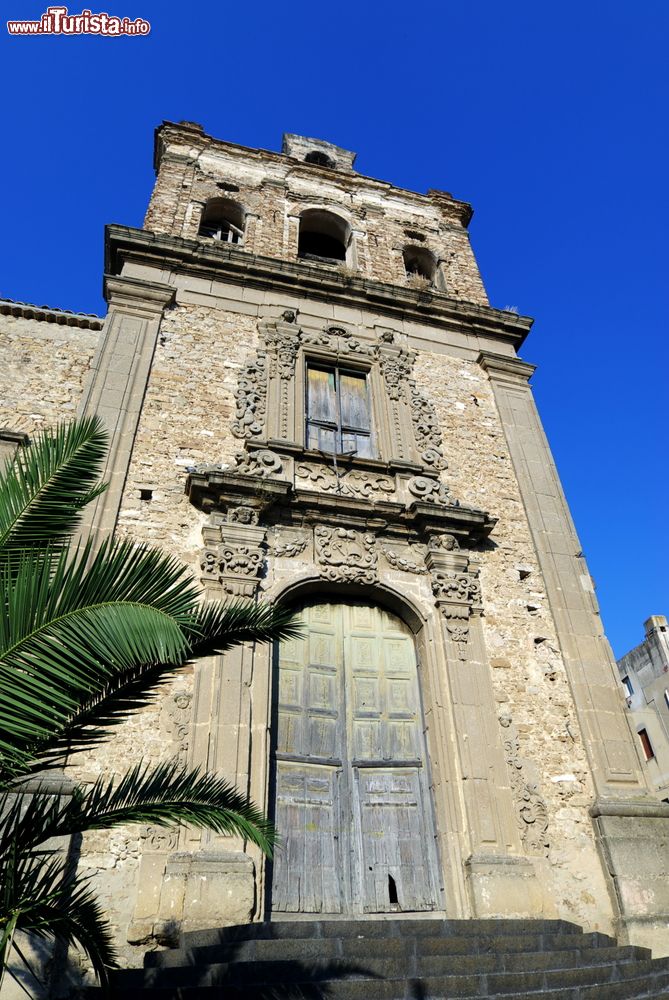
x: 396, y: 960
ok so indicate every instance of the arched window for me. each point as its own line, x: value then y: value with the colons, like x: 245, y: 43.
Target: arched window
x: 223, y: 219
x: 324, y: 237
x: 319, y: 159
x: 420, y: 265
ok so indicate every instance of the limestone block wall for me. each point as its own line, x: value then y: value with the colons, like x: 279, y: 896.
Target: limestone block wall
x: 274, y: 189
x: 186, y: 421
x: 43, y: 366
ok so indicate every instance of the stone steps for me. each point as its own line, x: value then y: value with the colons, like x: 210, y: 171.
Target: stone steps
x: 396, y: 960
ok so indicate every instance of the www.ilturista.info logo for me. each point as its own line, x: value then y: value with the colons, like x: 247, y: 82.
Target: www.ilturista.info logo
x: 57, y: 21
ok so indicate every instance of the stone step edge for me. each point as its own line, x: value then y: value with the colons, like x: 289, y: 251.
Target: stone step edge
x: 469, y: 945
x: 582, y: 957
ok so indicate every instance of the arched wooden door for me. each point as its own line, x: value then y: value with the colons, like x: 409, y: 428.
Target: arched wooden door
x: 351, y: 789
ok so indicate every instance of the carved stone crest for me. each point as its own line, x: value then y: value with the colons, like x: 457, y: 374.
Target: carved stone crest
x: 346, y: 555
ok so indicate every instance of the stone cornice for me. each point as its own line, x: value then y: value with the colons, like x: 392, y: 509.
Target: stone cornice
x: 137, y: 293
x: 211, y: 260
x: 212, y: 490
x: 48, y: 314
x: 499, y: 366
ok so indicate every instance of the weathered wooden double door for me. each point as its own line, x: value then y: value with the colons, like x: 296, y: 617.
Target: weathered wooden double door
x: 351, y: 791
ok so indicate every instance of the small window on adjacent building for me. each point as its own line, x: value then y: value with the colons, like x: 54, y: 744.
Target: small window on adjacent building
x: 627, y: 684
x: 646, y: 744
x: 338, y: 412
x: 666, y: 697
x: 223, y: 219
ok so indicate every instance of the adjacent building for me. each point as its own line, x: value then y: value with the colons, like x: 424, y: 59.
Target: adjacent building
x: 644, y: 673
x: 310, y: 398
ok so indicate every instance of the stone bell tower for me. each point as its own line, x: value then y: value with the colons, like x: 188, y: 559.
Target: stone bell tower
x: 311, y: 399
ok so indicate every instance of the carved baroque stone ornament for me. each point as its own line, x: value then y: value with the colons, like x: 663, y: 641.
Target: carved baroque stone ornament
x: 401, y: 560
x: 426, y: 429
x: 234, y: 554
x: 258, y: 463
x: 175, y: 720
x: 430, y: 490
x: 346, y: 555
x: 457, y: 593
x: 355, y: 483
x: 251, y: 398
x: 530, y: 807
x: 288, y: 547
x: 266, y: 393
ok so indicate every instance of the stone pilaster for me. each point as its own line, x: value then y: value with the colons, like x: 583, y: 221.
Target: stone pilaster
x: 626, y: 819
x: 117, y: 385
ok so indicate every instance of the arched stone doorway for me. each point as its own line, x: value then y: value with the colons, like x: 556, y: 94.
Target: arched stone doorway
x: 349, y: 768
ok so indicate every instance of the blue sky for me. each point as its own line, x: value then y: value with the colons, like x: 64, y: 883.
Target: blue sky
x: 550, y: 118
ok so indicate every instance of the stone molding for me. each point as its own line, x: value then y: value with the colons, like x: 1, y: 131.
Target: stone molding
x: 502, y: 367
x: 140, y: 246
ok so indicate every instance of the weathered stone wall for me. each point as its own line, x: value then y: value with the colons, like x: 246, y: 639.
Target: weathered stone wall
x: 543, y: 746
x: 43, y: 366
x: 274, y: 189
x: 186, y: 421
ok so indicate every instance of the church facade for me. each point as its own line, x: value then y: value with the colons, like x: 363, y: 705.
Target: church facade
x: 310, y: 399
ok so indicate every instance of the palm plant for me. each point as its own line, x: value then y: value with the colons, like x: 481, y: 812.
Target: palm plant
x: 85, y: 637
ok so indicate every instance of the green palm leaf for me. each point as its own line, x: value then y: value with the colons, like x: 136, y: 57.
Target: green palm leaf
x: 219, y: 626
x: 45, y: 487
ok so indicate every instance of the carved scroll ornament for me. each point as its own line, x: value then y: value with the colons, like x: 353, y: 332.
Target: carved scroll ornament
x: 258, y: 463
x: 430, y: 490
x: 251, y: 398
x: 530, y: 807
x: 355, y: 483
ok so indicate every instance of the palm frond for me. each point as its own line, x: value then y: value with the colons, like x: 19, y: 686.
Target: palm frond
x: 165, y: 795
x: 44, y: 489
x: 40, y: 893
x: 125, y: 693
x: 221, y: 625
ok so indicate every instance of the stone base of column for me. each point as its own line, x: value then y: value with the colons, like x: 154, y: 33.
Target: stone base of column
x: 504, y: 886
x: 633, y: 838
x: 188, y: 892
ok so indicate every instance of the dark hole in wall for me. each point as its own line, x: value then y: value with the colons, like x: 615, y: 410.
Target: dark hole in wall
x: 322, y: 246
x: 392, y: 891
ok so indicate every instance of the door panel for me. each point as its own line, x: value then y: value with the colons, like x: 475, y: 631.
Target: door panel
x: 307, y: 866
x: 352, y: 805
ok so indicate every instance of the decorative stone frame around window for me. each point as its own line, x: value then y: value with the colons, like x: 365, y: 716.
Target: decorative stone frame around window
x: 271, y: 398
